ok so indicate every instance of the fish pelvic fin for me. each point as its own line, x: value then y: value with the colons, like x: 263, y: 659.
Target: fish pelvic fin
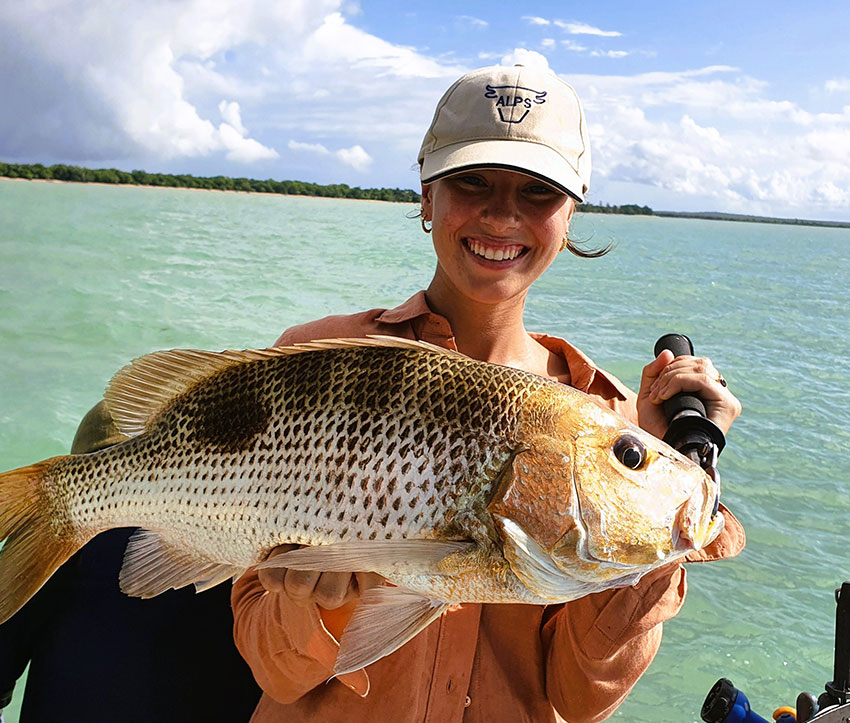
x: 153, y: 565
x: 35, y: 541
x: 385, y: 619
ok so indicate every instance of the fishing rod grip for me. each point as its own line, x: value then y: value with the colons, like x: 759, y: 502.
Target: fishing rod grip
x: 680, y: 345
x: 688, y: 427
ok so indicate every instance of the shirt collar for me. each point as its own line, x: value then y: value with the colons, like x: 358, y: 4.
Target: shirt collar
x: 583, y: 372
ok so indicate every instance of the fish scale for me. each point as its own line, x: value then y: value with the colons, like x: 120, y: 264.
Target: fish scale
x: 389, y: 461
x: 458, y: 480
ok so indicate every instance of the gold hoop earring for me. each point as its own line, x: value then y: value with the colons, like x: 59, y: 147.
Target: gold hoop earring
x: 426, y: 229
x: 564, y: 244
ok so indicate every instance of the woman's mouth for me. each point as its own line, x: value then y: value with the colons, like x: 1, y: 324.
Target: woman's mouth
x: 495, y: 252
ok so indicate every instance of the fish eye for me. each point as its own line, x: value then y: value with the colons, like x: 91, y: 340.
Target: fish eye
x: 630, y: 451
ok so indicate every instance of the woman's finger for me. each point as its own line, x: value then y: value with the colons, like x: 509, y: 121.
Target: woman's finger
x: 272, y: 579
x: 299, y: 585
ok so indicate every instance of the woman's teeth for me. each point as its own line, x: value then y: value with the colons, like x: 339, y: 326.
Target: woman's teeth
x: 502, y: 253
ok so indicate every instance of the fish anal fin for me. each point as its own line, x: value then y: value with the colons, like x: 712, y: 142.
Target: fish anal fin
x: 385, y: 619
x: 153, y: 565
x: 384, y: 556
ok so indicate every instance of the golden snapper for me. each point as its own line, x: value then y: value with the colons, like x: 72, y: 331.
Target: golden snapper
x: 458, y: 480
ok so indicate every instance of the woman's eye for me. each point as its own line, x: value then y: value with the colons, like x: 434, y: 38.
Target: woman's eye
x: 470, y: 180
x: 630, y: 452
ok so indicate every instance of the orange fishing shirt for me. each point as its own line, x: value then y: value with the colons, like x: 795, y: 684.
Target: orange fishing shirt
x: 478, y: 663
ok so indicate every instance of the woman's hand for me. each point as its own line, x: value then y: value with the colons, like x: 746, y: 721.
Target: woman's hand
x: 667, y: 376
x: 330, y: 590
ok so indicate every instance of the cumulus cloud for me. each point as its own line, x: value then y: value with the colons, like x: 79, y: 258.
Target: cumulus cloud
x: 522, y: 56
x: 713, y: 133
x: 184, y: 79
x: 112, y: 75
x: 356, y: 156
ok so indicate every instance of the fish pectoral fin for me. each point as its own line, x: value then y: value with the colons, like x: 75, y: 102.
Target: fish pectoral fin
x: 536, y: 569
x: 385, y: 619
x: 373, y: 556
x: 153, y: 565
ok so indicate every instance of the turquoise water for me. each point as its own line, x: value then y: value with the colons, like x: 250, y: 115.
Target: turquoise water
x: 91, y: 277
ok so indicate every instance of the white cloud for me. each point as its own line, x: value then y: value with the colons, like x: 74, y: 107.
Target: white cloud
x: 231, y: 115
x: 585, y: 29
x: 523, y: 56
x: 713, y: 133
x: 609, y: 53
x: 837, y: 85
x: 533, y: 20
x: 574, y: 46
x: 547, y: 43
x: 356, y: 156
x: 113, y: 74
x: 312, y: 147
x: 476, y: 22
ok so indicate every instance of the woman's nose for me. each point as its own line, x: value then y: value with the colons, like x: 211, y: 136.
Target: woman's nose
x: 500, y: 209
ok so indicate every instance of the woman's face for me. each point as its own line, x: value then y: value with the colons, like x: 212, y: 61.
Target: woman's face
x: 495, y: 232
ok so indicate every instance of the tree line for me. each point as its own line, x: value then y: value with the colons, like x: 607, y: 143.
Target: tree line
x: 77, y: 174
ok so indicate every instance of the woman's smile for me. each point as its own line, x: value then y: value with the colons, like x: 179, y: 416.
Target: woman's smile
x: 494, y: 253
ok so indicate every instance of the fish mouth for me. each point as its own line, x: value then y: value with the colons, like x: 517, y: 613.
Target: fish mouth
x: 494, y: 252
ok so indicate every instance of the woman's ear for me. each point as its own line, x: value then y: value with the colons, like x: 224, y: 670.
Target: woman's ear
x: 426, y: 202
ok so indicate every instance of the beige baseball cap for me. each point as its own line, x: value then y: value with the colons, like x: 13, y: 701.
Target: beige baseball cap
x: 518, y: 118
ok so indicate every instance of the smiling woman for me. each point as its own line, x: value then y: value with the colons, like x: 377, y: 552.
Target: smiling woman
x: 503, y: 164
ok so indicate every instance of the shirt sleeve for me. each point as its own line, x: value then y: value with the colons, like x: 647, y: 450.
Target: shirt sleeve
x: 597, y: 647
x: 288, y: 647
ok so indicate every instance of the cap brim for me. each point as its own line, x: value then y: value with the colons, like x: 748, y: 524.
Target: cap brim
x: 532, y: 159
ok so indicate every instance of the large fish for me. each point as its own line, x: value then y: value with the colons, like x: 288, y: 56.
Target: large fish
x: 459, y: 481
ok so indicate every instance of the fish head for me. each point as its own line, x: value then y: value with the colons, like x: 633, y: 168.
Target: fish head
x: 595, y: 500
x: 639, y: 502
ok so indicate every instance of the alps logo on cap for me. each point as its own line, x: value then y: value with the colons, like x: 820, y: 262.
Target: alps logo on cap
x: 510, y: 96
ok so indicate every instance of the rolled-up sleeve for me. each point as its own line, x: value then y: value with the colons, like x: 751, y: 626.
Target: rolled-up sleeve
x: 597, y: 647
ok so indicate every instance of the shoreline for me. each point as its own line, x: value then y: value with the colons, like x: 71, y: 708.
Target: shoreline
x: 699, y: 215
x: 205, y: 190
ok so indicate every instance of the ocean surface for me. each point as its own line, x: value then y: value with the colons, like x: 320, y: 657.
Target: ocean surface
x: 92, y: 277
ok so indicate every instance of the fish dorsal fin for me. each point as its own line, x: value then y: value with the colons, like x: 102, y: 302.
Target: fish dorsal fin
x: 152, y: 565
x: 375, y: 340
x: 139, y: 392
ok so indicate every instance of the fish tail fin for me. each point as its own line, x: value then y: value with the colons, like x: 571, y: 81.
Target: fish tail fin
x: 33, y: 544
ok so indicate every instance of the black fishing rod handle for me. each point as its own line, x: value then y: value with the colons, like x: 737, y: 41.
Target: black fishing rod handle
x: 680, y: 345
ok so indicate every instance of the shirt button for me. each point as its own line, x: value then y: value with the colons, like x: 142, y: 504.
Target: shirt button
x: 467, y: 702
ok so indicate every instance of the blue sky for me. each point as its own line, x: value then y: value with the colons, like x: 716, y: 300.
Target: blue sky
x: 731, y: 106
